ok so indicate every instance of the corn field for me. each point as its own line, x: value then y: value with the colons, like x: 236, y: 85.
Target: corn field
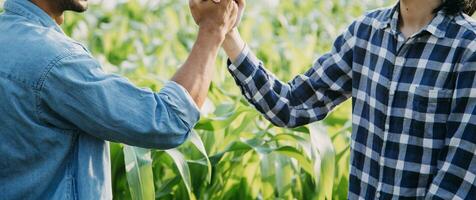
x: 233, y: 153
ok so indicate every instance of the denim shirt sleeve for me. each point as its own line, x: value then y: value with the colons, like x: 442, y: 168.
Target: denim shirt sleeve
x: 111, y: 108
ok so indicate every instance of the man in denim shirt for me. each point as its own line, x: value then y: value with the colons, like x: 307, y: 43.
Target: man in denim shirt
x: 58, y: 107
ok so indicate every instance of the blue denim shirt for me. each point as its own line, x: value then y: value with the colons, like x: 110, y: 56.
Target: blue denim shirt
x: 58, y: 109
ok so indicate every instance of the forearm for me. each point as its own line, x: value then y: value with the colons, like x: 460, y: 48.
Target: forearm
x: 197, y: 72
x: 233, y: 44
x: 273, y: 98
x: 307, y: 98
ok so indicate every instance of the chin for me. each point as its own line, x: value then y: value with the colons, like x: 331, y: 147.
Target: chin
x: 75, y: 5
x: 82, y: 5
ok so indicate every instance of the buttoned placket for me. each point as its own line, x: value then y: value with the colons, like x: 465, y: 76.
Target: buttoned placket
x: 403, y: 45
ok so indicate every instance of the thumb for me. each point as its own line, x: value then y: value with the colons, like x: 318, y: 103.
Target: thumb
x: 241, y: 3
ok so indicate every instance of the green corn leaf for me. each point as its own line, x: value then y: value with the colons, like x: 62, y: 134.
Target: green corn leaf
x: 183, y: 168
x: 235, y: 146
x: 118, y: 172
x: 197, y: 141
x: 247, y: 120
x: 324, y: 164
x: 299, y: 156
x: 268, y: 175
x: 221, y: 122
x: 284, y: 175
x: 138, y: 163
x: 289, y: 137
x: 167, y: 187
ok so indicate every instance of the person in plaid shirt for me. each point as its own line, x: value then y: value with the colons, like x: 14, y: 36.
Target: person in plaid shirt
x: 411, y: 73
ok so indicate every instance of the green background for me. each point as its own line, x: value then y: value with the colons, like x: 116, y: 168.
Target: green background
x: 234, y: 152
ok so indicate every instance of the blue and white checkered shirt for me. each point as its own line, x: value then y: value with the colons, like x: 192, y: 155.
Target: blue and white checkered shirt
x: 414, y: 104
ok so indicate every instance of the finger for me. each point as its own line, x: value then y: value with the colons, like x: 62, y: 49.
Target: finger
x: 230, y: 3
x: 236, y: 14
x: 208, y: 2
x: 227, y: 2
x: 241, y: 3
x: 212, y: 1
x: 235, y: 10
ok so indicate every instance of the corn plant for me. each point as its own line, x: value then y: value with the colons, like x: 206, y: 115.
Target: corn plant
x: 233, y: 152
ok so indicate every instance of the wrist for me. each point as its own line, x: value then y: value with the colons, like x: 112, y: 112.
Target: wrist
x: 233, y: 44
x: 210, y: 39
x: 214, y: 32
x: 231, y: 37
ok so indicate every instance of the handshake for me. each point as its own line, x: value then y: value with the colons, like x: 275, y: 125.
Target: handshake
x: 218, y: 16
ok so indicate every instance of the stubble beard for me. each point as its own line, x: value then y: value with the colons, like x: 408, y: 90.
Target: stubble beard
x: 73, y: 5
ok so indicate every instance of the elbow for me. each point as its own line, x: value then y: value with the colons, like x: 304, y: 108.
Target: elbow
x: 173, y: 132
x: 171, y: 140
x: 169, y: 145
x: 162, y: 138
x: 177, y: 140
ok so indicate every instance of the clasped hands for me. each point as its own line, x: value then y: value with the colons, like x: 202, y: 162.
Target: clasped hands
x: 217, y: 16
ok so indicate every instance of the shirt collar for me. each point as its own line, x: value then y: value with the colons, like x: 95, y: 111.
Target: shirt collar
x: 436, y: 27
x: 29, y: 10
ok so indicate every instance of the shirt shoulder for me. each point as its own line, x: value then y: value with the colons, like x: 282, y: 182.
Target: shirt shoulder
x: 463, y: 30
x: 31, y: 49
x: 465, y: 21
x: 379, y: 15
x: 365, y: 25
x: 466, y: 26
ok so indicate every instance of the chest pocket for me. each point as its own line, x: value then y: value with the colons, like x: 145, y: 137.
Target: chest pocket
x: 430, y: 108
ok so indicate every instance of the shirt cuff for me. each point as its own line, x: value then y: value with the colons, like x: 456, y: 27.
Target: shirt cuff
x: 242, y: 56
x: 179, y: 98
x: 244, y: 64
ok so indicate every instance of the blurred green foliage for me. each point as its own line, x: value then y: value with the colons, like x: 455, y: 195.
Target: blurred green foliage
x: 234, y: 152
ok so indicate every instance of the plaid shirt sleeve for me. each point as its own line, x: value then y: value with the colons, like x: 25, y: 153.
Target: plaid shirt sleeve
x: 456, y: 174
x: 308, y: 97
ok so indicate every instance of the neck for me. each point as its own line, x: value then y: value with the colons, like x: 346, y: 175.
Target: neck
x: 416, y: 14
x: 51, y: 10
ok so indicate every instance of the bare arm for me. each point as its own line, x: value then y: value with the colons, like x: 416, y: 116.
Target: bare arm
x: 196, y: 74
x: 214, y: 20
x: 111, y: 108
x: 233, y: 44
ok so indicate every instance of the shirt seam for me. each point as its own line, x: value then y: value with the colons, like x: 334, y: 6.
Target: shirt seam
x: 464, y: 22
x: 187, y: 94
x: 18, y: 11
x: 39, y: 85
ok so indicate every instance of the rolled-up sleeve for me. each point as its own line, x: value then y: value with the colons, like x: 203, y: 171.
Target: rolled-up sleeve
x: 110, y: 107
